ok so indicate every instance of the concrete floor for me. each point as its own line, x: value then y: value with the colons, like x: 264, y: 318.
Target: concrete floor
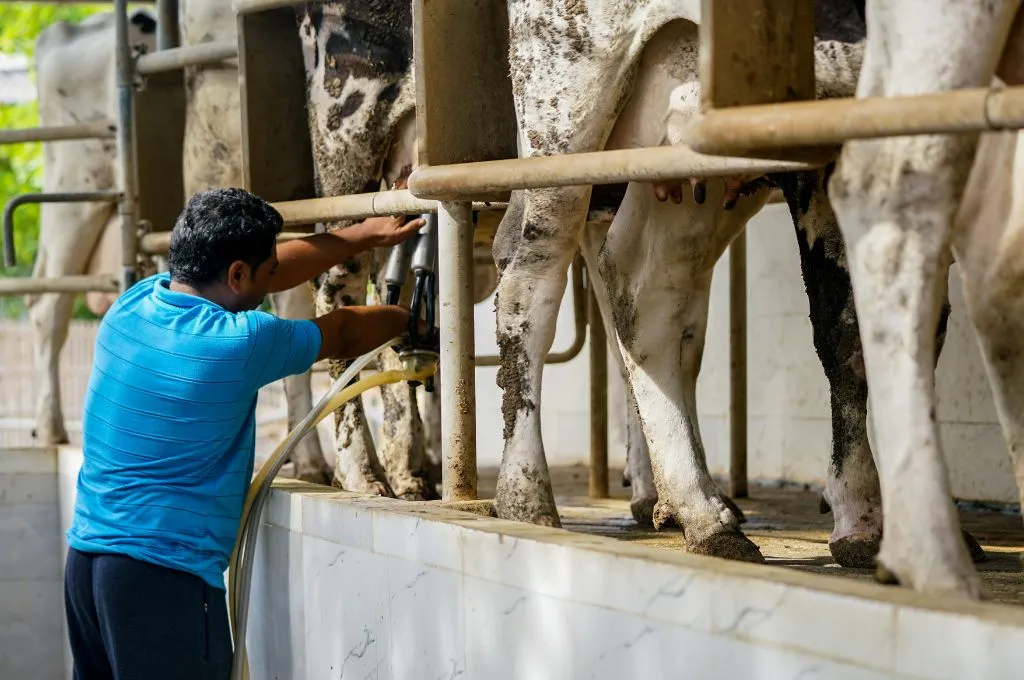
x: 785, y: 524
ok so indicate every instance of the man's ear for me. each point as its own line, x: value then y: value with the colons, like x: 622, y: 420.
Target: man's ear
x: 239, y: 276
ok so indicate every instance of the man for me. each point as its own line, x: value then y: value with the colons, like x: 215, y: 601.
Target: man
x: 169, y: 430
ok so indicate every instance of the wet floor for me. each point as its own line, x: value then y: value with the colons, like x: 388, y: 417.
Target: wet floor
x: 785, y: 524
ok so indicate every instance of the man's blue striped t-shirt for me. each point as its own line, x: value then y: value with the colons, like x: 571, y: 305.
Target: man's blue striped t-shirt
x: 169, y: 428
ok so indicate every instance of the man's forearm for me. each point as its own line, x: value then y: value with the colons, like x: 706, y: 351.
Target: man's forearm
x: 351, y: 331
x: 306, y: 258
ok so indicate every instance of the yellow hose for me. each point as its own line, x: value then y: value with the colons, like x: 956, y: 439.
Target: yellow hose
x: 418, y: 373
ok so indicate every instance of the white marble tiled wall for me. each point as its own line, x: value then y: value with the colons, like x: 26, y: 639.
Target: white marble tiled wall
x: 31, y: 593
x: 352, y: 587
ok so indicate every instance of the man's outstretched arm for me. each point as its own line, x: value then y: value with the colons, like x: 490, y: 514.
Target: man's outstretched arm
x: 352, y: 331
x: 304, y: 259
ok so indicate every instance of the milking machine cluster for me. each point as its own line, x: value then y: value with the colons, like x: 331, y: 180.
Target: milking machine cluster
x: 420, y: 255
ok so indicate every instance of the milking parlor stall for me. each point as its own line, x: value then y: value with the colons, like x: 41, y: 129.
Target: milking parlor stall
x: 460, y: 581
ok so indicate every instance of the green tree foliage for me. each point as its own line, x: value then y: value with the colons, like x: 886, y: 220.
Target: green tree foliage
x: 21, y: 165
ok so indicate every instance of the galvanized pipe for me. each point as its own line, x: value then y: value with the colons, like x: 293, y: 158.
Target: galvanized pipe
x: 99, y: 129
x: 127, y: 207
x: 158, y: 242
x: 449, y: 182
x: 580, y: 317
x: 24, y: 285
x: 458, y: 384
x: 598, y: 478
x: 833, y: 121
x: 189, y: 55
x: 10, y: 256
x: 360, y: 206
x: 167, y: 24
x: 253, y: 6
x: 738, y: 367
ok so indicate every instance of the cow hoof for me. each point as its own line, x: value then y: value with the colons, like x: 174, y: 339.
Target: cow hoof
x: 735, y: 509
x: 48, y: 437
x: 544, y: 518
x: 729, y: 545
x: 368, y: 487
x: 414, y: 489
x: 525, y: 495
x: 974, y: 548
x: 663, y: 517
x: 642, y: 509
x: 855, y: 552
x: 531, y: 511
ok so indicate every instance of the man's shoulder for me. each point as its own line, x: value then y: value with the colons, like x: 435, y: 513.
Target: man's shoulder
x: 148, y: 320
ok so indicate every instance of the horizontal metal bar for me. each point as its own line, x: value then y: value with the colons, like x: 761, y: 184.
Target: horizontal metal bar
x: 158, y: 242
x: 449, y: 182
x: 744, y: 129
x: 253, y: 6
x: 77, y: 2
x: 24, y: 285
x: 189, y: 55
x: 10, y: 256
x: 361, y: 206
x: 100, y: 129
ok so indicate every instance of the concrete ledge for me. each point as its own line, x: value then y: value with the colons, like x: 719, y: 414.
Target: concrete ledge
x: 355, y: 586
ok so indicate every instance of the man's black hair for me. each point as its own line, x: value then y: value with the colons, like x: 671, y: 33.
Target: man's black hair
x: 216, y: 228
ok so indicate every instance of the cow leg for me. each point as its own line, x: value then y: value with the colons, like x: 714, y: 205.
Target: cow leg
x: 432, y: 433
x: 988, y: 250
x: 657, y: 264
x: 359, y: 88
x: 310, y: 465
x: 638, y: 460
x: 534, y: 247
x: 895, y: 200
x: 356, y: 467
x: 852, y: 491
x: 50, y: 314
x: 402, y: 446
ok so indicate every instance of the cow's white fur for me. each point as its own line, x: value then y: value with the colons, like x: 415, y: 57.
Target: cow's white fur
x: 899, y: 204
x: 656, y: 260
x: 75, y: 84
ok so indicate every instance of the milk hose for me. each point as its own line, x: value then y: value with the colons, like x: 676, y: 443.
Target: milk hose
x: 417, y: 367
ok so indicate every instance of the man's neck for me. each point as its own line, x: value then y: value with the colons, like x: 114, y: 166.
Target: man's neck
x: 212, y: 293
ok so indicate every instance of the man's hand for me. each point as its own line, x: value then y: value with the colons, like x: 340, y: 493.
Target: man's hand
x: 381, y: 232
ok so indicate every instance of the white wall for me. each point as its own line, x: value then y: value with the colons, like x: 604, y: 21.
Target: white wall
x: 789, y: 427
x: 347, y: 586
x: 31, y: 586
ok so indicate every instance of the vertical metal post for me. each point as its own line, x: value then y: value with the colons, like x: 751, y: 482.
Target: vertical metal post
x: 128, y: 205
x: 167, y: 36
x: 738, y: 367
x: 598, y: 396
x: 458, y: 365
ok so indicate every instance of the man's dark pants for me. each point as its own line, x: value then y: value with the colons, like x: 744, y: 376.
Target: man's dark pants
x: 131, y: 620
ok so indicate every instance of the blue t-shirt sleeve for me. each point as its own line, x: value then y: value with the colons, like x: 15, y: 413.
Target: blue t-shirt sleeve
x: 280, y: 347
